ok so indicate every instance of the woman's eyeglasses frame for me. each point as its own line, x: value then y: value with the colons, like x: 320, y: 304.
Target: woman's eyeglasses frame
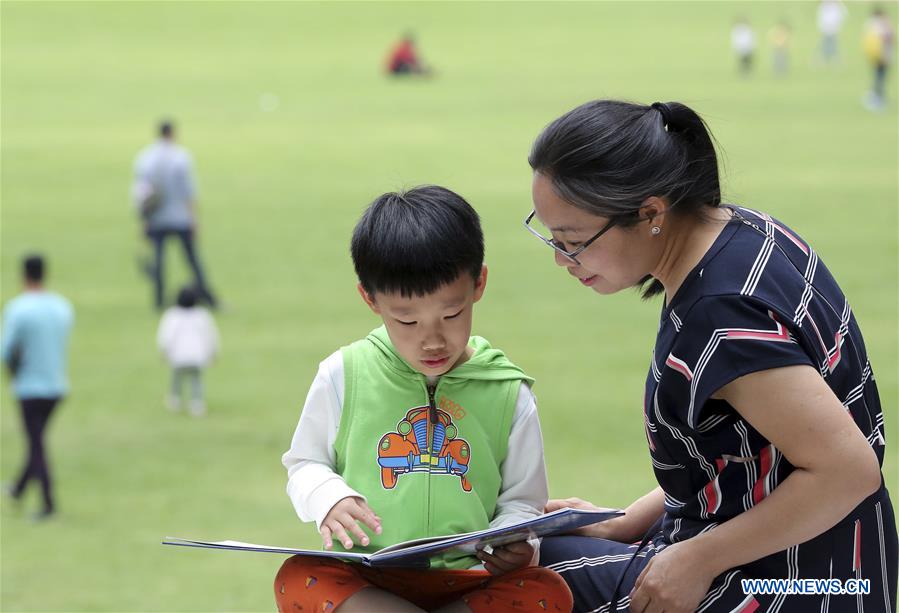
x: 571, y: 255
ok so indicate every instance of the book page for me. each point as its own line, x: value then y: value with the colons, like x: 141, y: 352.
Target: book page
x: 241, y: 546
x: 563, y: 520
x: 417, y: 552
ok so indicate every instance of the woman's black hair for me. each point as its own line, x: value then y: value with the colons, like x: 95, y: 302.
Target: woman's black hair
x: 415, y: 241
x: 187, y: 297
x: 607, y: 157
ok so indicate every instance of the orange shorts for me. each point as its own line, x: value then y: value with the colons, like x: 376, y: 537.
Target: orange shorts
x: 320, y: 585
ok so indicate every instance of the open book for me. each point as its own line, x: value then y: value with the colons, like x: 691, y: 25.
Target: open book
x: 417, y: 552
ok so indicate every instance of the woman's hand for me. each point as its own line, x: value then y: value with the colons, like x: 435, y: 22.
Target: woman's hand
x: 573, y: 503
x: 674, y: 581
x: 616, y: 529
x: 342, y: 520
x: 600, y: 530
x: 507, y: 558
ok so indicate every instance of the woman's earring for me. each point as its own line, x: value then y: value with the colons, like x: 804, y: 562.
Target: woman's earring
x: 655, y: 230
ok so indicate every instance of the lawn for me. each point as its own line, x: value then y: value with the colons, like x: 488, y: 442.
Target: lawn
x: 294, y: 129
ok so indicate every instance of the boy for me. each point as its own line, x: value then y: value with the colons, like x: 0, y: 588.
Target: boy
x: 419, y: 422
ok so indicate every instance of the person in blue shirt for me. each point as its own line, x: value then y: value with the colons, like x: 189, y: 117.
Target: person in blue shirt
x: 36, y: 327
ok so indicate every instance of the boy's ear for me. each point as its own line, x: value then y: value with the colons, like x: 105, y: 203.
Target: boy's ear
x: 369, y: 299
x: 480, y: 284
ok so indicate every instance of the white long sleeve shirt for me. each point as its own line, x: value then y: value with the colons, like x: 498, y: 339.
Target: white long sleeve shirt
x: 188, y: 336
x: 314, y: 486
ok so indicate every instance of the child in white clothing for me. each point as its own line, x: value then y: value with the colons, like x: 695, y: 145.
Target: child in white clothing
x: 189, y: 340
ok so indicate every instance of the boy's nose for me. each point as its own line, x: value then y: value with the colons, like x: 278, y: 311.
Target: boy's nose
x: 433, y: 341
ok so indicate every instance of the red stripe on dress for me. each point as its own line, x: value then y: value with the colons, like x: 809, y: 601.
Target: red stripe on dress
x: 680, y: 366
x: 793, y: 238
x: 758, y: 335
x: 835, y: 358
x: 758, y: 489
x: 711, y: 496
x: 711, y: 488
x: 750, y: 607
x: 781, y: 335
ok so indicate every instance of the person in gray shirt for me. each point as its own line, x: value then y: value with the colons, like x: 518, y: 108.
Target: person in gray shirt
x: 165, y: 169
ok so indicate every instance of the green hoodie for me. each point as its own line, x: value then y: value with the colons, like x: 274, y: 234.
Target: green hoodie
x: 420, y: 479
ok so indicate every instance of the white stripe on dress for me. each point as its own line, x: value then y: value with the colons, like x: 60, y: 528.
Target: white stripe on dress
x: 883, y: 557
x: 688, y: 442
x: 713, y: 595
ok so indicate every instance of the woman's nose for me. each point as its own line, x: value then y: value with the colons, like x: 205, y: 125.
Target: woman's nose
x: 564, y: 260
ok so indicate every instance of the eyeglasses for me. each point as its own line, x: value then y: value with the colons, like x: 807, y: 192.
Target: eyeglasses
x: 557, y: 245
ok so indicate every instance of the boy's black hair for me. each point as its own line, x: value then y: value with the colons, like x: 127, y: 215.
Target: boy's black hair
x: 415, y: 241
x: 33, y: 267
x: 187, y: 297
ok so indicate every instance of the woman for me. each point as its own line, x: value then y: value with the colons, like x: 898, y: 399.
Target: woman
x: 761, y: 412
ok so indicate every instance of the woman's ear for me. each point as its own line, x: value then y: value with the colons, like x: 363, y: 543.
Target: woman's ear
x: 369, y: 299
x: 653, y: 207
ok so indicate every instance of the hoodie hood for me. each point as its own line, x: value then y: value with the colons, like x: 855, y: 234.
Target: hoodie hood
x: 485, y: 364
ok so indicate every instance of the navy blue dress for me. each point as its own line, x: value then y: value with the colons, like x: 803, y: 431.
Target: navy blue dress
x: 759, y: 299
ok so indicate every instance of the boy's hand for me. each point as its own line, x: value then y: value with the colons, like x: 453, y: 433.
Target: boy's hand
x: 341, y: 521
x: 507, y: 558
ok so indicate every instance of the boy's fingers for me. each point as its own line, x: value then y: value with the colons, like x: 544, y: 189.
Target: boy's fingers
x: 343, y: 537
x: 505, y: 555
x: 349, y: 524
x: 368, y: 517
x: 371, y: 511
x: 495, y: 567
x: 516, y: 549
x: 373, y: 523
x: 489, y: 566
x: 508, y: 558
x: 519, y: 547
x: 509, y: 561
x: 492, y: 561
x: 326, y: 537
x: 358, y: 533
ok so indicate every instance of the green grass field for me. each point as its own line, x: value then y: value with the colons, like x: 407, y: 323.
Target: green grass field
x: 82, y: 87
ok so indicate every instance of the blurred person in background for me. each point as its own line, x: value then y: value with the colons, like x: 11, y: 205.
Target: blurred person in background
x: 781, y: 36
x: 879, y: 41
x: 164, y: 192
x: 831, y: 15
x: 404, y: 59
x: 36, y: 327
x: 760, y: 410
x: 189, y: 340
x: 742, y: 41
